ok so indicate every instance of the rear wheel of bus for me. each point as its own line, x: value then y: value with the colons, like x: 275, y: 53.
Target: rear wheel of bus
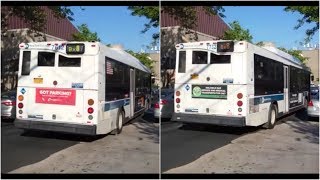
x: 272, y: 116
x: 119, y: 124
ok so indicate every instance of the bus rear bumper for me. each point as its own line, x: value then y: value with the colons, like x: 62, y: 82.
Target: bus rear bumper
x: 210, y: 119
x: 57, y: 127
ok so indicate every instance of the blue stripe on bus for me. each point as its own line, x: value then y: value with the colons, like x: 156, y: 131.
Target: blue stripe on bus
x: 116, y: 104
x: 267, y: 99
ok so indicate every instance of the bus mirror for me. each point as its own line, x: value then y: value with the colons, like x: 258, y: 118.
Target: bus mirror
x: 153, y: 80
x: 312, y: 77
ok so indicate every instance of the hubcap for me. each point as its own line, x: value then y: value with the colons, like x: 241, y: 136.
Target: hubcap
x: 120, y: 121
x: 273, y: 116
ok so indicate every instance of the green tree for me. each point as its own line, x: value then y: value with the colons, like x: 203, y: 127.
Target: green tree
x: 186, y: 15
x: 310, y: 15
x: 143, y: 57
x: 295, y: 53
x: 260, y: 43
x: 35, y: 16
x: 85, y: 34
x: 236, y: 32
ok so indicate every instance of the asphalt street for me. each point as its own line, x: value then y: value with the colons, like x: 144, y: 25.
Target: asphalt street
x: 182, y: 144
x: 19, y: 148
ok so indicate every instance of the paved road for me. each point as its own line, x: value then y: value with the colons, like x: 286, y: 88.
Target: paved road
x: 182, y: 144
x: 21, y: 148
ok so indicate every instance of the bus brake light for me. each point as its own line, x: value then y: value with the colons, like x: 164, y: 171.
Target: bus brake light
x: 178, y: 100
x: 90, y: 110
x: 239, y: 103
x: 20, y: 105
x: 310, y: 103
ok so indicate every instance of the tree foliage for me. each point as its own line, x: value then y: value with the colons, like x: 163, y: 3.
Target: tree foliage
x: 85, y: 34
x: 295, y: 53
x: 35, y: 16
x: 310, y: 15
x: 236, y: 32
x: 143, y: 57
x: 185, y: 15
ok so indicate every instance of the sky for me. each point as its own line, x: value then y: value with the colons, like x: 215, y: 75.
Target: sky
x: 115, y: 25
x: 273, y: 24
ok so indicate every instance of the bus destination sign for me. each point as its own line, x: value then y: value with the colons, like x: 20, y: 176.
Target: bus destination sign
x: 75, y: 48
x: 209, y: 91
x: 225, y: 46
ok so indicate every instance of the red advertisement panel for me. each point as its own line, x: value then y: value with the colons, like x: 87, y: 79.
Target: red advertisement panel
x: 56, y: 96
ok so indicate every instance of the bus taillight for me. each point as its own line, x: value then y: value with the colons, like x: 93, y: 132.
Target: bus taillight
x: 239, y: 103
x: 90, y: 110
x: 177, y: 93
x: 20, y: 105
x: 239, y: 95
x: 178, y: 100
x: 20, y: 97
x: 90, y: 102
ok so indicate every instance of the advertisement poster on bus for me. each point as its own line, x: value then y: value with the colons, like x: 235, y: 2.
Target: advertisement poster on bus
x: 55, y: 96
x: 209, y: 91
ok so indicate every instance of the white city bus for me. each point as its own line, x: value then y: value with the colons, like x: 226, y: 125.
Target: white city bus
x: 236, y: 83
x: 79, y: 87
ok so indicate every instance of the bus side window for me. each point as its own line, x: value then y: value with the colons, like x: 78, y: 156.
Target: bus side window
x: 199, y: 57
x: 182, y: 62
x: 26, y: 56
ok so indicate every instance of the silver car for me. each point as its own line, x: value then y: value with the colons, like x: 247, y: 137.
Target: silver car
x: 313, y: 105
x: 165, y: 106
x: 8, y: 105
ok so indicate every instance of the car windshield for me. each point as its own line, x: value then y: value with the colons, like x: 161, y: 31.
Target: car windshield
x: 315, y: 96
x: 166, y: 92
x: 10, y: 95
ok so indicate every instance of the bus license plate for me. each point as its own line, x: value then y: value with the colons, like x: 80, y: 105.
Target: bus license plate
x: 38, y: 80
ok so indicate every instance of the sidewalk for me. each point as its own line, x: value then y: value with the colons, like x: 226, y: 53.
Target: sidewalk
x: 291, y: 147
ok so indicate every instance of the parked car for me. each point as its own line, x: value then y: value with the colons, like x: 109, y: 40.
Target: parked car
x: 165, y: 106
x: 8, y: 105
x: 313, y: 105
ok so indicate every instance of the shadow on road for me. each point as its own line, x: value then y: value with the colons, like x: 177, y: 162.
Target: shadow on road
x: 62, y: 136
x: 188, y: 142
x: 301, y: 123
x: 220, y: 129
x: 145, y: 125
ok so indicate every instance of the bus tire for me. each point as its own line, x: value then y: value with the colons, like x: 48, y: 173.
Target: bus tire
x: 120, y: 119
x: 272, y: 117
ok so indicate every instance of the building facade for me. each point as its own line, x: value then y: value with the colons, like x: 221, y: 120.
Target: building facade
x: 18, y: 31
x: 313, y: 64
x: 209, y: 27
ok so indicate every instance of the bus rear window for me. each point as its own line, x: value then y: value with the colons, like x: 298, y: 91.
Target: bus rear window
x: 219, y: 59
x: 182, y: 62
x: 69, y: 62
x: 26, y: 56
x: 199, y: 57
x: 46, y: 59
